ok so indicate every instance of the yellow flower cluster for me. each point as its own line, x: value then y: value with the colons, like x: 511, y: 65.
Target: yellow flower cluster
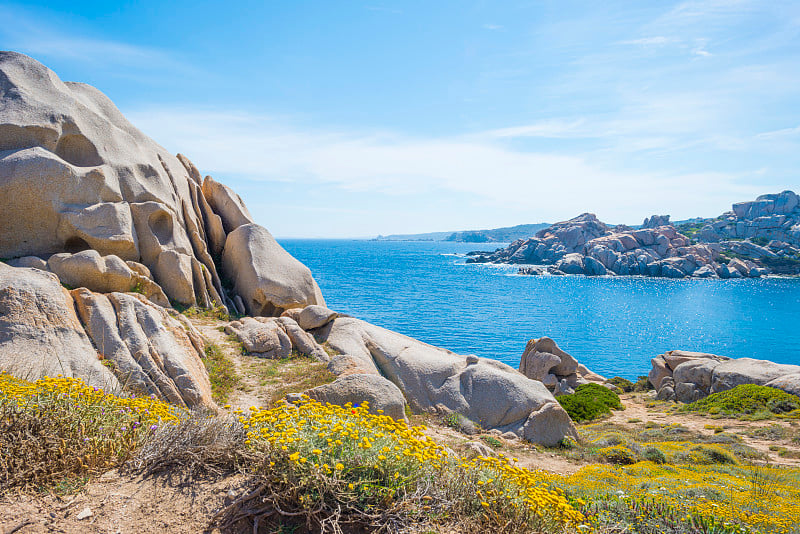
x: 73, y: 392
x: 372, y: 450
x: 762, y: 498
x: 504, y: 484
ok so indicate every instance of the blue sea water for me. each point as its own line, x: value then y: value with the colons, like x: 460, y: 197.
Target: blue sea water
x: 612, y: 325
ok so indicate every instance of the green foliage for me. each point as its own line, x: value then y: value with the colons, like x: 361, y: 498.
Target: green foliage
x: 589, y: 402
x: 748, y: 400
x: 642, y: 384
x: 760, y: 241
x: 221, y: 372
x: 655, y: 455
x: 493, y: 442
x: 138, y: 288
x: 622, y: 383
x: 618, y: 455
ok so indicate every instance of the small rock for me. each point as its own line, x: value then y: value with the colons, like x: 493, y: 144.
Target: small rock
x: 86, y: 513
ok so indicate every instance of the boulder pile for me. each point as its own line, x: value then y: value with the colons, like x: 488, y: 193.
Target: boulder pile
x: 755, y: 239
x: 686, y: 376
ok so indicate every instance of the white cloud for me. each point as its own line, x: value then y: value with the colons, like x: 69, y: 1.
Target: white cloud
x: 535, y: 185
x: 493, y: 27
x: 548, y: 128
x: 651, y: 41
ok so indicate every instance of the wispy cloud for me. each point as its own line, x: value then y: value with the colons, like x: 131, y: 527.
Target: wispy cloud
x: 659, y: 40
x: 28, y: 33
x: 784, y: 132
x: 261, y: 148
x: 493, y: 27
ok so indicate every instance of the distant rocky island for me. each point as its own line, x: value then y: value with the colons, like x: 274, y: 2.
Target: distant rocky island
x: 496, y: 235
x: 756, y: 238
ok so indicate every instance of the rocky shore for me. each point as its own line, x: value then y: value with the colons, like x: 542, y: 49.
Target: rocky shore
x: 756, y: 238
x: 106, y: 236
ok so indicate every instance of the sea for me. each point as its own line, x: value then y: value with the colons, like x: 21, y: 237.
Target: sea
x: 613, y: 325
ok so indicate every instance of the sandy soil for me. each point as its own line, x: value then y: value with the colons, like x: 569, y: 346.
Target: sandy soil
x: 115, y: 503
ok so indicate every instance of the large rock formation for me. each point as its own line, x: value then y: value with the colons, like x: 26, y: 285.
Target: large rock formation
x: 435, y: 380
x: 75, y: 175
x: 755, y: 239
x: 688, y: 376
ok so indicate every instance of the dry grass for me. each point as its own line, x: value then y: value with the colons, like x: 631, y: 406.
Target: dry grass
x: 290, y: 375
x: 197, y: 445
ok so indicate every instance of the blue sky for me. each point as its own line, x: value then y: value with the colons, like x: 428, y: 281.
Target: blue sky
x: 341, y: 119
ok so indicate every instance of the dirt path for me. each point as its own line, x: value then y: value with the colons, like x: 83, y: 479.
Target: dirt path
x: 247, y: 392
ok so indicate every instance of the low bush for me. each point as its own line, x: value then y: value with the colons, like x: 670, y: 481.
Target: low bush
x: 332, y: 465
x: 60, y: 428
x: 622, y: 383
x: 642, y: 384
x: 589, y: 402
x: 748, y: 400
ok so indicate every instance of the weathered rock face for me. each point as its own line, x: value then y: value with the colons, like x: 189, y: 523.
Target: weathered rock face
x: 688, y: 376
x: 584, y: 245
x: 146, y: 350
x: 75, y: 175
x: 436, y: 380
x: 545, y: 362
x: 150, y: 352
x: 40, y: 334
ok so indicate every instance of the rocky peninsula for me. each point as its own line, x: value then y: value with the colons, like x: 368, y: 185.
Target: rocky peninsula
x: 756, y: 238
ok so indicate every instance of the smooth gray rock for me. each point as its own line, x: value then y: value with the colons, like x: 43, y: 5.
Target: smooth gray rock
x: 315, y: 316
x: 34, y: 262
x: 435, y: 380
x: 265, y: 339
x: 103, y: 274
x: 740, y: 371
x: 539, y: 354
x: 267, y: 277
x: 789, y: 383
x: 380, y: 394
x: 302, y: 341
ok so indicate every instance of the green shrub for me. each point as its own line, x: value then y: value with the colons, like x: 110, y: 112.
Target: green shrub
x: 618, y: 455
x: 747, y: 400
x: 654, y: 455
x: 643, y: 384
x: 589, y: 402
x: 493, y: 441
x: 622, y: 383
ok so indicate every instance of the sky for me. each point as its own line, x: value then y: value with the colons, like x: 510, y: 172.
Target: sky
x: 353, y: 119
